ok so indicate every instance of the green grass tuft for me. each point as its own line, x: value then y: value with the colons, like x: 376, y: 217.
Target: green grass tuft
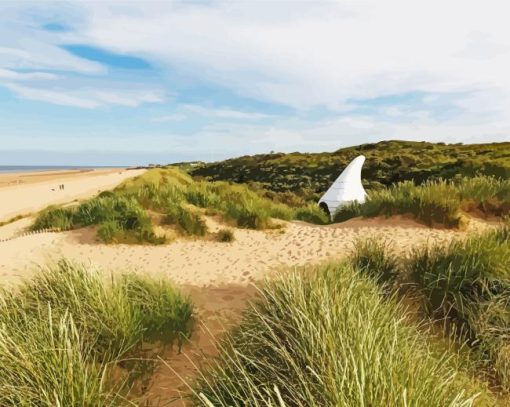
x: 63, y: 332
x: 327, y: 337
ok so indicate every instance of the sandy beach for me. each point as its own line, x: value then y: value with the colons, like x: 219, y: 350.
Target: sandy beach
x: 23, y: 193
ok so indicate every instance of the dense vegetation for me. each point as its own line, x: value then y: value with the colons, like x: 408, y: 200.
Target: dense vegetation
x: 466, y: 284
x: 436, y: 202
x: 372, y: 351
x: 388, y: 162
x: 330, y: 337
x: 170, y: 197
x: 65, y: 333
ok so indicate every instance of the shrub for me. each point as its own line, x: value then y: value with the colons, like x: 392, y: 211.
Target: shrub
x: 248, y: 216
x: 454, y: 276
x: 225, y: 235
x: 435, y: 202
x: 328, y: 338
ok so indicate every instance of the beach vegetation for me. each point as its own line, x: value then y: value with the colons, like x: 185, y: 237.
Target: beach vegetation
x: 66, y: 334
x: 438, y: 202
x: 306, y: 176
x: 329, y: 336
x: 225, y: 236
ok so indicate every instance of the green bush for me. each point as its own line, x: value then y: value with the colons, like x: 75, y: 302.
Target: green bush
x: 388, y: 162
x: 328, y: 337
x: 119, y: 218
x: 346, y: 212
x: 248, y: 216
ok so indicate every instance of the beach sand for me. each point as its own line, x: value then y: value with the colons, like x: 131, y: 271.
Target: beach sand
x: 219, y: 277
x: 24, y: 193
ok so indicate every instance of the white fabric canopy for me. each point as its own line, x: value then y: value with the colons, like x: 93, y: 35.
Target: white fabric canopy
x: 347, y: 187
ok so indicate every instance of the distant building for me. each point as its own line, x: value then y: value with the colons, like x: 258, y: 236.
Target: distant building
x: 347, y: 188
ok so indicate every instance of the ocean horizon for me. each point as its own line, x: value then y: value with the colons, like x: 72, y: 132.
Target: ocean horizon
x: 37, y: 168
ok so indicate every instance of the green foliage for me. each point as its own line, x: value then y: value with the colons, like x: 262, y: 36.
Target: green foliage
x: 347, y: 211
x: 122, y: 214
x: 388, y: 162
x: 372, y: 257
x: 167, y: 315
x: 435, y: 202
x: 62, y: 332
x: 468, y: 282
x: 328, y: 337
x: 226, y: 236
x: 188, y: 220
x: 312, y: 214
x: 53, y: 217
x: 109, y: 232
x: 120, y: 218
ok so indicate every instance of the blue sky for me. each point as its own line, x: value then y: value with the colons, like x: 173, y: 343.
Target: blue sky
x: 124, y: 83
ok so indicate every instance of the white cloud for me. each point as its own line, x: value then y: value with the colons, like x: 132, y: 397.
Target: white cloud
x: 324, y: 52
x: 175, y: 117
x: 224, y: 113
x: 13, y: 75
x: 88, y: 99
x: 326, y: 55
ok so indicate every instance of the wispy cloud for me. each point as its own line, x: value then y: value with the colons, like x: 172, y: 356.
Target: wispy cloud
x: 88, y: 99
x: 25, y: 76
x: 175, y: 117
x: 224, y: 113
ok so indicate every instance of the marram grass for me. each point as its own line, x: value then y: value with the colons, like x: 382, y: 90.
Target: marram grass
x: 63, y: 332
x: 329, y: 337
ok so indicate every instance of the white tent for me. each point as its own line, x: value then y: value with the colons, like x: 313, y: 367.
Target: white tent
x: 347, y: 187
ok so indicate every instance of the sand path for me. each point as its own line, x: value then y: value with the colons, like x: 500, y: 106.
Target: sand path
x: 250, y: 257
x: 42, y: 189
x: 216, y: 275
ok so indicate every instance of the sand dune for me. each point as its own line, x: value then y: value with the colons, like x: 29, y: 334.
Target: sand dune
x: 253, y: 254
x: 216, y: 275
x: 25, y: 193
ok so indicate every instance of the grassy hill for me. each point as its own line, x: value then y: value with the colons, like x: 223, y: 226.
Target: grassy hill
x: 387, y: 162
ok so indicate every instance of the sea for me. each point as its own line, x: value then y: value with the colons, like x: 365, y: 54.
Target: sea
x: 37, y: 168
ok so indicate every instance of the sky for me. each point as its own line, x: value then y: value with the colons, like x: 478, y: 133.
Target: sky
x: 131, y: 83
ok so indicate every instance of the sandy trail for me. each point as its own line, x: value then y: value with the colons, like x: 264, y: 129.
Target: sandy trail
x: 25, y: 193
x: 250, y: 257
x: 216, y: 275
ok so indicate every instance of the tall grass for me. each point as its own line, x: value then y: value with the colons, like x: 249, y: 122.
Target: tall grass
x: 63, y: 332
x: 373, y: 258
x: 435, y: 202
x: 327, y: 337
x: 468, y: 282
x: 120, y: 218
x: 122, y: 215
